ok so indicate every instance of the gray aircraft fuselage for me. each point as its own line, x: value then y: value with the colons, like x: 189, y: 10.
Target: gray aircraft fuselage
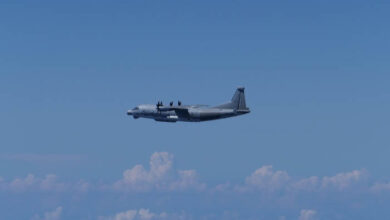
x: 192, y: 113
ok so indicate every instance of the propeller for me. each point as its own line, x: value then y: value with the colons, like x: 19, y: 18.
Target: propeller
x: 159, y: 103
x: 179, y: 103
x: 171, y: 103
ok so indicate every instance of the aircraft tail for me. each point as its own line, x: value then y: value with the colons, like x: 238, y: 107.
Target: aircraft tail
x: 238, y: 99
x: 237, y: 102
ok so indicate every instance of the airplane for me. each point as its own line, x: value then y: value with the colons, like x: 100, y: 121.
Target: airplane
x: 192, y: 113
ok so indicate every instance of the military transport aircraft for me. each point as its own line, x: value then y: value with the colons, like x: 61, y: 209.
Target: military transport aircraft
x: 192, y: 113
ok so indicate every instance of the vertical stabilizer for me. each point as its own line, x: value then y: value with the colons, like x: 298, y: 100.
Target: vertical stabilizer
x: 238, y: 99
x: 237, y: 102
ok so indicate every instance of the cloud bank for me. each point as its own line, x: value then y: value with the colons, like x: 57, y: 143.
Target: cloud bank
x: 160, y: 185
x: 161, y: 176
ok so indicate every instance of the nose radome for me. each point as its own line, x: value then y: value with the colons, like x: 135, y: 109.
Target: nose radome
x: 129, y: 112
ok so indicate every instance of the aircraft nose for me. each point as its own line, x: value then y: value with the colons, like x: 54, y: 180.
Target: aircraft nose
x: 129, y: 112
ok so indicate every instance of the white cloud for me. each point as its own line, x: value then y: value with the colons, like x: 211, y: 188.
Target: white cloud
x: 265, y: 179
x: 160, y: 164
x: 307, y: 214
x: 187, y: 179
x: 51, y: 215
x: 30, y: 182
x: 307, y: 184
x: 140, y: 179
x: 143, y: 214
x: 161, y: 176
x: 49, y: 183
x: 82, y: 186
x: 380, y: 187
x: 19, y: 184
x: 339, y: 182
x: 343, y: 180
x: 128, y: 215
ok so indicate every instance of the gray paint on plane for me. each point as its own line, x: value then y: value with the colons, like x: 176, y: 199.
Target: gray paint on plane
x: 192, y: 113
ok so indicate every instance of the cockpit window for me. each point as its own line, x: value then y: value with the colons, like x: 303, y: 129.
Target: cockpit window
x: 136, y: 108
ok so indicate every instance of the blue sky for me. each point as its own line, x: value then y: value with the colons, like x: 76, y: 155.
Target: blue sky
x: 317, y: 82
